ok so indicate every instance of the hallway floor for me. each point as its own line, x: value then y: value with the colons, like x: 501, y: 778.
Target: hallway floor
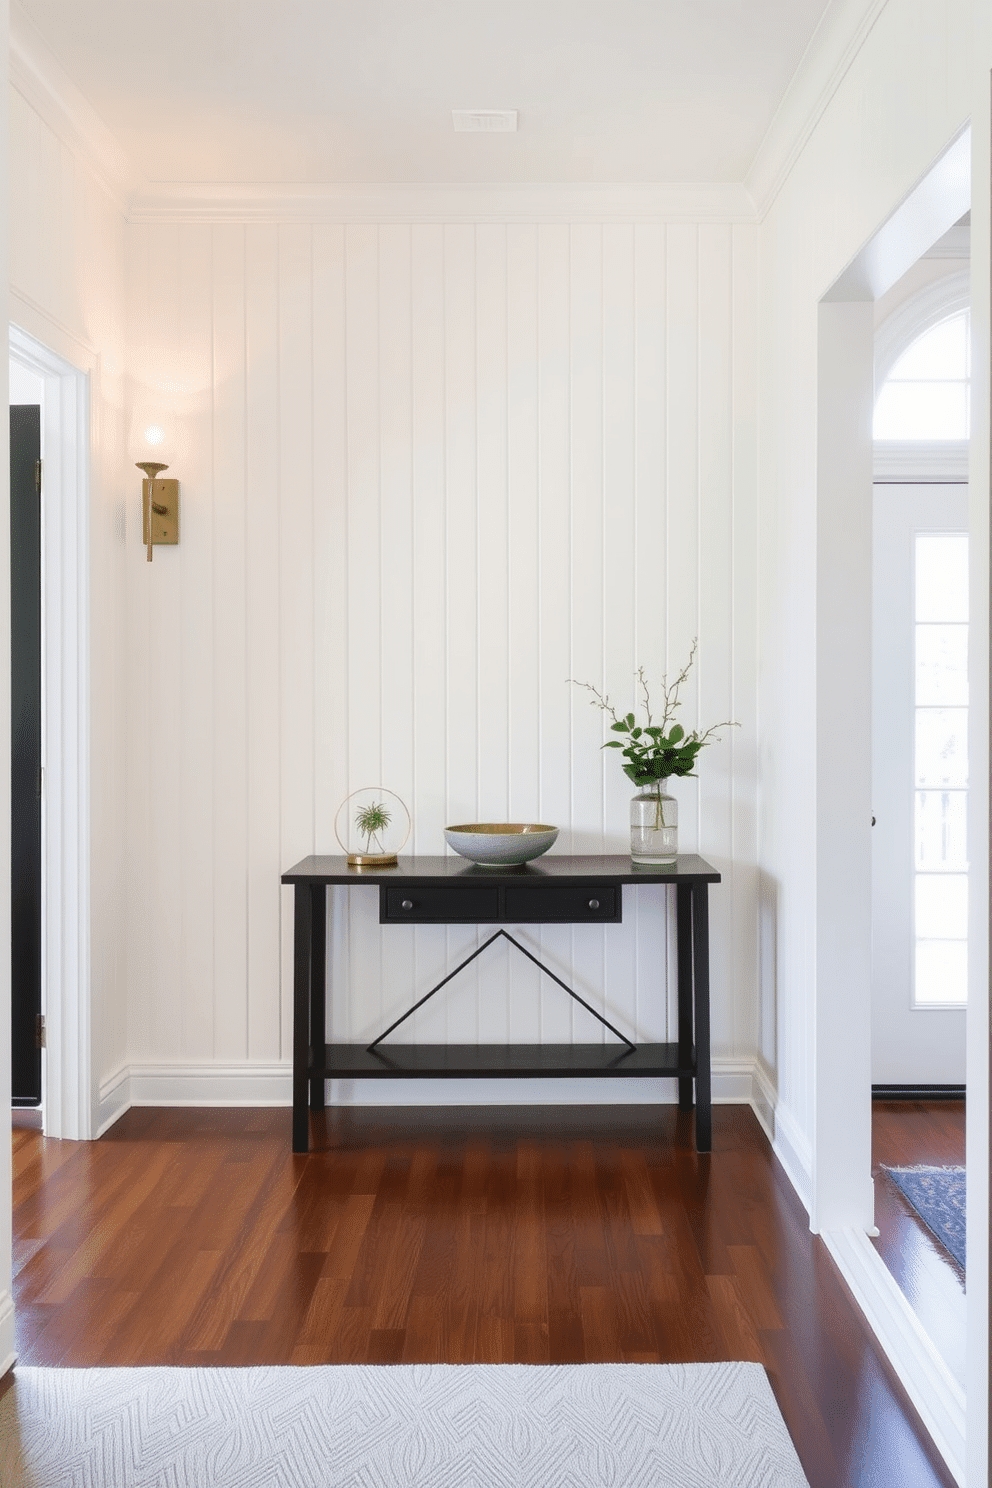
x: 517, y: 1234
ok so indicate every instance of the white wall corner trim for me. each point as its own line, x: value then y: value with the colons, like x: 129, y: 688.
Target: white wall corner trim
x: 764, y: 1100
x: 424, y: 203
x: 931, y: 1387
x: 7, y: 1350
x: 254, y: 1083
x: 838, y: 38
x: 113, y: 1100
x: 47, y: 87
x: 66, y: 738
x: 792, y: 1148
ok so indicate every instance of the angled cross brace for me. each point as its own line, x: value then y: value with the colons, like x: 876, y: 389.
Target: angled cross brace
x: 478, y: 952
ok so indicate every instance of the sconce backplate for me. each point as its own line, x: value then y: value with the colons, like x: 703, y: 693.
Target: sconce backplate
x: 165, y: 524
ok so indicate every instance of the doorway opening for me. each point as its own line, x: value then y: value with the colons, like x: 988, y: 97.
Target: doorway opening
x: 843, y: 1206
x: 920, y: 788
x: 65, y: 900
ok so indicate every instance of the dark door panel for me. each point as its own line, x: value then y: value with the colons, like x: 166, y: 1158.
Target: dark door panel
x: 25, y: 756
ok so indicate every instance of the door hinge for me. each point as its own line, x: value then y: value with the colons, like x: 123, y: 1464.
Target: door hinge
x: 39, y: 1032
x: 37, y: 477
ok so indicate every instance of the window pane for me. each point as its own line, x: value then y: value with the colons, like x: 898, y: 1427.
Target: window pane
x: 942, y: 665
x: 941, y: 352
x: 942, y: 576
x: 942, y: 746
x: 941, y: 906
x: 942, y: 831
x: 922, y: 410
x: 941, y: 972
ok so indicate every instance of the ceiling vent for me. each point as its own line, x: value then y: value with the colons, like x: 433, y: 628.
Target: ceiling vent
x: 484, y: 121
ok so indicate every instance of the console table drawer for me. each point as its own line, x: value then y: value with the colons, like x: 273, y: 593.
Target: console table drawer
x: 562, y: 904
x: 439, y: 904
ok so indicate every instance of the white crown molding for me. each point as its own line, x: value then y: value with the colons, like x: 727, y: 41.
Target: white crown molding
x: 955, y: 244
x: 47, y: 87
x: 921, y: 462
x: 400, y: 202
x: 837, y: 40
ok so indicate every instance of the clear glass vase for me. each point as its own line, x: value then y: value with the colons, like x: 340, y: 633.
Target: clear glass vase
x: 654, y: 824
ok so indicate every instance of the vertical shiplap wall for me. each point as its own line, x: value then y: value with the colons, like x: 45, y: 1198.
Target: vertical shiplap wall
x: 67, y: 290
x: 429, y: 472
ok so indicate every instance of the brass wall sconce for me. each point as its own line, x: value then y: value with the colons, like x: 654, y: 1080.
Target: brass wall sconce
x: 159, y: 507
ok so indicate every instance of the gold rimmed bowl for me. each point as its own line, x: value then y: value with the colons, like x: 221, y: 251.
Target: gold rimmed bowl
x: 500, y: 844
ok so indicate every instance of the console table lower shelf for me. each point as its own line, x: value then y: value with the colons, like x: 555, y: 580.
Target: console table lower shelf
x: 556, y: 889
x: 470, y: 1061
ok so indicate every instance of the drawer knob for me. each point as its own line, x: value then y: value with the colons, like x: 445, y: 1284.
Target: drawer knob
x: 593, y: 903
x: 407, y: 904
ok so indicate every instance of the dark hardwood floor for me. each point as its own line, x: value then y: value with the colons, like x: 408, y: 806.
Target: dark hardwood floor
x: 464, y: 1235
x: 905, y: 1133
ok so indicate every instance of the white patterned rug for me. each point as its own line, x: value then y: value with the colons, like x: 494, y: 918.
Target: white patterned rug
x: 400, y: 1426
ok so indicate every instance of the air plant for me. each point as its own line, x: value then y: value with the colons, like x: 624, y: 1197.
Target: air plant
x: 370, y: 821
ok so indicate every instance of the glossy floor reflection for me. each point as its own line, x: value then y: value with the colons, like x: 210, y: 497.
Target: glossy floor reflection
x: 479, y: 1234
x: 905, y: 1133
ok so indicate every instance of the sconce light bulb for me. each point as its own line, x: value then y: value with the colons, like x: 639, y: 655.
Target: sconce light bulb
x: 154, y: 434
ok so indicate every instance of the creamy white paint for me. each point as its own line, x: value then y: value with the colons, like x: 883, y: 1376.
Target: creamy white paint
x: 321, y: 90
x: 67, y: 292
x: 904, y: 98
x: 428, y: 473
x: 898, y: 102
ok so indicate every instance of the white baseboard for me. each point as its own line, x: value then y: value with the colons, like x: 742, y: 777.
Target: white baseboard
x: 255, y: 1084
x: 936, y: 1394
x: 791, y: 1147
x: 764, y: 1100
x: 7, y: 1352
x: 113, y: 1100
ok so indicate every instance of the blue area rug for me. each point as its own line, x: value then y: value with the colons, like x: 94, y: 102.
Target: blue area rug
x: 938, y: 1197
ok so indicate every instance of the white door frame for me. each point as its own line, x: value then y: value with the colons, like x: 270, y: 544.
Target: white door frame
x: 842, y: 1190
x: 66, y: 991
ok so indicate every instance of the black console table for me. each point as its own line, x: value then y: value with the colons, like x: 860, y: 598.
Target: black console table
x: 554, y: 889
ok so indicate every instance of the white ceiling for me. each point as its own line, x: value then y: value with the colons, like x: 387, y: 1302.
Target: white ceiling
x: 351, y: 91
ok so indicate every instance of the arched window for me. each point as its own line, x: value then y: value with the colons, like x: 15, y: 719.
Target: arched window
x: 923, y: 385
x: 925, y: 395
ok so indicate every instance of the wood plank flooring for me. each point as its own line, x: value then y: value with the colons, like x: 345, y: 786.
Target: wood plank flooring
x: 905, y: 1133
x: 517, y: 1234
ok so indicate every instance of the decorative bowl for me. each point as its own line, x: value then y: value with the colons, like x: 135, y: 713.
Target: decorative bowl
x: 500, y: 844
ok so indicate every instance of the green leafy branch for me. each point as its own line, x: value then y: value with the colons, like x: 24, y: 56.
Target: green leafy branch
x: 654, y: 751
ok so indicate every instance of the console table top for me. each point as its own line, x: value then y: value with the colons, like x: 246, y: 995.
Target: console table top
x: 561, y: 868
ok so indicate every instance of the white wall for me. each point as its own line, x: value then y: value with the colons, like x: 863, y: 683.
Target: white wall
x: 67, y: 283
x: 903, y: 98
x: 921, y: 72
x: 428, y: 473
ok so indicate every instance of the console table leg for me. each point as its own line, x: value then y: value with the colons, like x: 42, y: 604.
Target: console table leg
x: 318, y: 994
x: 683, y: 935
x: 302, y: 934
x: 701, y: 990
